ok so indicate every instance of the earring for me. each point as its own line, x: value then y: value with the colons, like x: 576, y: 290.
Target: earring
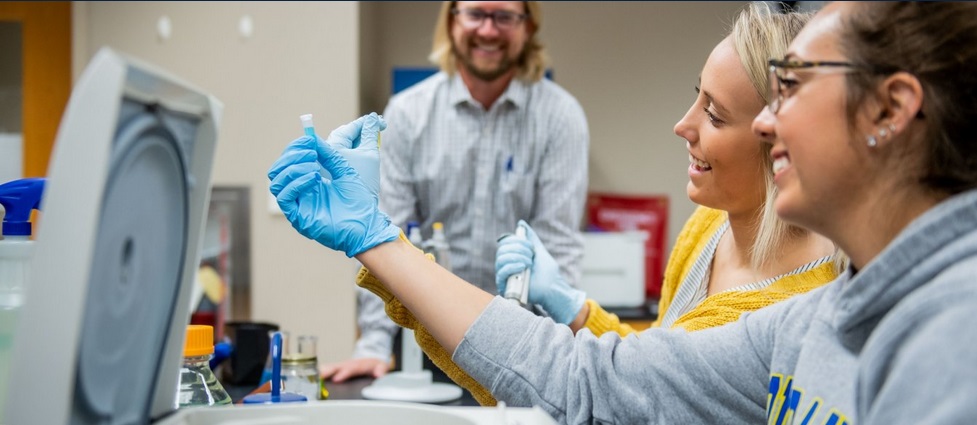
x: 884, y: 133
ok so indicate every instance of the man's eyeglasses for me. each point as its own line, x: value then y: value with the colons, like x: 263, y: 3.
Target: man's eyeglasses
x: 474, y: 18
x: 780, y: 83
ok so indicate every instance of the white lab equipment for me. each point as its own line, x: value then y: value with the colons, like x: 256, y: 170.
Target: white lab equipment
x: 412, y: 382
x: 613, y: 268
x: 517, y: 285
x: 106, y: 309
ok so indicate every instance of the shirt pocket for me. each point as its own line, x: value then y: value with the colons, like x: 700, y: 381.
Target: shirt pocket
x: 515, y: 195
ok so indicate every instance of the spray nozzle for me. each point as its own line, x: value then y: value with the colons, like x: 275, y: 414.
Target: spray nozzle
x: 19, y: 198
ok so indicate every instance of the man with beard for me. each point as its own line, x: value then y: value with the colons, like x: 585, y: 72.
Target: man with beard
x: 478, y: 146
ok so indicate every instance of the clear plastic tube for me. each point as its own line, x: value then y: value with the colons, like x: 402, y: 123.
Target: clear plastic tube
x: 307, y: 125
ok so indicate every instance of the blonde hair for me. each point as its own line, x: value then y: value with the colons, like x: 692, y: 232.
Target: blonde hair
x: 532, y: 64
x: 759, y: 35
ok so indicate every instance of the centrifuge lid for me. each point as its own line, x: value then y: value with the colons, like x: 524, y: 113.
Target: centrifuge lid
x: 100, y: 336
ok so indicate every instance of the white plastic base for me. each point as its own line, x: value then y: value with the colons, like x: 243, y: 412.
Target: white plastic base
x: 417, y: 387
x: 357, y: 412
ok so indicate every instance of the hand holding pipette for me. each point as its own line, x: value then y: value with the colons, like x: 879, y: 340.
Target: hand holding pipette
x: 547, y: 288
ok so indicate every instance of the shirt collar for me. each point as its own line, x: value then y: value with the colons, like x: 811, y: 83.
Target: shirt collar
x: 516, y: 93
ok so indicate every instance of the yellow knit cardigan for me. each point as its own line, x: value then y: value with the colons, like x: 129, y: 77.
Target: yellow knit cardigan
x: 717, y: 309
x: 713, y: 311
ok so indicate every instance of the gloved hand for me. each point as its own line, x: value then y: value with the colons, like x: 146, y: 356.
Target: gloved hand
x: 358, y: 143
x: 546, y: 286
x: 338, y: 211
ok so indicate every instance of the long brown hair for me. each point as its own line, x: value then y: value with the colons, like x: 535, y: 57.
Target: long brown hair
x: 936, y: 43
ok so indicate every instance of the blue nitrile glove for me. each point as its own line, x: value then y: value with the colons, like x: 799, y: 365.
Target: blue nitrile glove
x: 357, y: 142
x: 339, y: 212
x: 546, y: 286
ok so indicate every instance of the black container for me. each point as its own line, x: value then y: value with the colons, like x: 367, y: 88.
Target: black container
x: 251, y: 342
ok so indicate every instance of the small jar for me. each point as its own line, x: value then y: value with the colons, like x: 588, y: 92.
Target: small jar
x: 300, y: 370
x: 198, y: 385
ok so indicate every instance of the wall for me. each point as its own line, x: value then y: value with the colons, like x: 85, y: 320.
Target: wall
x: 632, y: 66
x: 302, y: 58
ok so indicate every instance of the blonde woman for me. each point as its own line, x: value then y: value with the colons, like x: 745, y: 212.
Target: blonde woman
x: 734, y: 254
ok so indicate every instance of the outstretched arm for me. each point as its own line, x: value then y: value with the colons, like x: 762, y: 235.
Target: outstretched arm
x: 445, y: 303
x: 523, y: 359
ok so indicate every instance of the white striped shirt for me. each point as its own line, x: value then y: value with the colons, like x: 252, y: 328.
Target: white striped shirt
x: 445, y: 158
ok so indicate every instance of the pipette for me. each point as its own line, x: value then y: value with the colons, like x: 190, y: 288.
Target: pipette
x: 517, y: 285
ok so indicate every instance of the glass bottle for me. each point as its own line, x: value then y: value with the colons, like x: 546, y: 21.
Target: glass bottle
x: 198, y: 385
x: 299, y: 368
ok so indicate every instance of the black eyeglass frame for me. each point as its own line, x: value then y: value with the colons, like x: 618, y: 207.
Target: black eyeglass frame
x: 777, y: 94
x: 518, y: 18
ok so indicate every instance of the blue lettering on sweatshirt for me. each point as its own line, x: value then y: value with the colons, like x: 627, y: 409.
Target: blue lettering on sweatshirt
x: 783, y: 399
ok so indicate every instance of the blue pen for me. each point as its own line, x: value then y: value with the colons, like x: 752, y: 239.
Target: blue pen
x: 508, y: 164
x: 276, y: 395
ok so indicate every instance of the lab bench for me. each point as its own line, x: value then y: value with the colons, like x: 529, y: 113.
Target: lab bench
x: 352, y: 390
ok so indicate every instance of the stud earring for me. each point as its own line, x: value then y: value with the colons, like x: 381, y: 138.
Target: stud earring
x: 872, y: 141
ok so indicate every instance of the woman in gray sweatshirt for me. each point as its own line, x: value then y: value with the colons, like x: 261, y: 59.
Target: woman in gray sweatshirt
x: 872, y: 136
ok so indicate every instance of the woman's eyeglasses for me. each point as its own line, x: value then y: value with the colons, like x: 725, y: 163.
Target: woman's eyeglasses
x: 780, y: 83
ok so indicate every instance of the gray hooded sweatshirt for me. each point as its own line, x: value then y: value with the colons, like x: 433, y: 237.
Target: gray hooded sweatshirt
x: 895, y: 343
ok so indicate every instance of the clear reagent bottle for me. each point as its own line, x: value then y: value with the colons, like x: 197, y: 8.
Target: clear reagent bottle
x: 198, y: 385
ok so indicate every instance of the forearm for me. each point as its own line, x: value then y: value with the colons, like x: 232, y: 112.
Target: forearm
x: 581, y: 320
x: 441, y: 301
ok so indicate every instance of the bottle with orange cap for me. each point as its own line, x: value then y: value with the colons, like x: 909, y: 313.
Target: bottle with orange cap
x: 198, y: 385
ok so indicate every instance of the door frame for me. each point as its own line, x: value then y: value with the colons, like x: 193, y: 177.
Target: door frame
x: 46, y: 75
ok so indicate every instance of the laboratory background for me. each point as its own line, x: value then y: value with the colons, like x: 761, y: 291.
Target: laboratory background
x: 631, y: 65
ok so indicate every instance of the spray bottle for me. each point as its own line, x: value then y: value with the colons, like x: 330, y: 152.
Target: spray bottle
x: 17, y: 199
